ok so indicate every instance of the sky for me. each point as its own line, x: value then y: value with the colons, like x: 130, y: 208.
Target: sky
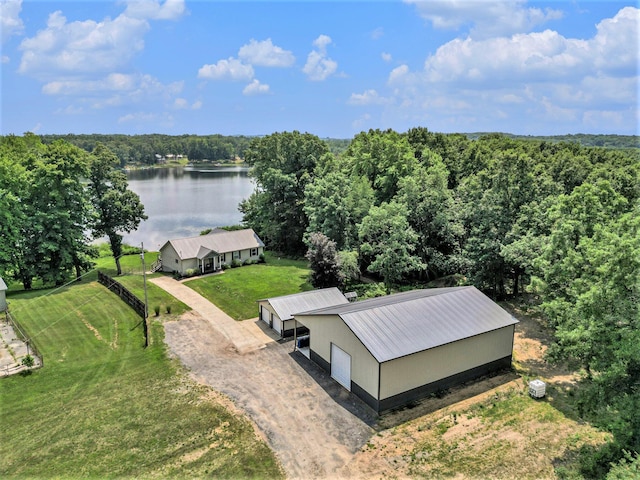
x: 330, y: 68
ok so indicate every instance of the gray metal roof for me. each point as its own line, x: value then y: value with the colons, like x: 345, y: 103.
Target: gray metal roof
x: 288, y: 305
x: 218, y: 241
x: 3, y: 286
x: 405, y: 323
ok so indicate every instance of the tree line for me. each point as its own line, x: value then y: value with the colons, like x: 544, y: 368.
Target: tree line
x: 558, y: 220
x: 54, y: 200
x: 148, y: 150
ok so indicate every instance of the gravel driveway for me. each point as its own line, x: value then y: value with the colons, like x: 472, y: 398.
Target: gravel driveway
x: 313, y: 425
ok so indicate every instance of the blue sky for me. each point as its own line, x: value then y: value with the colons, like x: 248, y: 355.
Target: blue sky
x: 331, y: 68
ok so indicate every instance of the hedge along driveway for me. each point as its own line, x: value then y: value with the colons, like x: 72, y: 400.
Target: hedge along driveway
x: 237, y: 290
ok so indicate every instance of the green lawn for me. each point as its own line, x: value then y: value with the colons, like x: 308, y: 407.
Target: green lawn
x: 237, y: 289
x: 104, y: 406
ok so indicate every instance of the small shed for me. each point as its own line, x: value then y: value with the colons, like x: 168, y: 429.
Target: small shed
x: 3, y: 295
x: 392, y: 350
x: 277, y: 312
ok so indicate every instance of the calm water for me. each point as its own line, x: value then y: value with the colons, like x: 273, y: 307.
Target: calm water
x: 183, y: 201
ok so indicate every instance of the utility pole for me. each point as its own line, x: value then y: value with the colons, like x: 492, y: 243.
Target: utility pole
x: 146, y: 299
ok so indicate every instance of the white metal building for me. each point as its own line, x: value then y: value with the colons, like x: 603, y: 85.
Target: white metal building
x: 277, y: 312
x: 392, y: 350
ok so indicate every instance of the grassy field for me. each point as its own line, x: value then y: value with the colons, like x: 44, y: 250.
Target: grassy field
x: 104, y: 406
x: 237, y: 289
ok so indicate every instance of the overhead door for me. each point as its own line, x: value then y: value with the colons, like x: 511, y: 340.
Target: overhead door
x: 265, y: 315
x: 341, y: 366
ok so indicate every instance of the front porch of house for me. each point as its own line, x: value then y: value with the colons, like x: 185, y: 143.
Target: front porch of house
x: 211, y: 261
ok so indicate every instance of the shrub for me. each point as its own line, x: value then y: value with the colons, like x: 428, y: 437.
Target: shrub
x: 168, y: 309
x: 248, y: 261
x: 225, y: 266
x: 190, y: 272
x: 236, y: 263
x: 157, y: 310
x: 262, y: 258
x: 28, y: 361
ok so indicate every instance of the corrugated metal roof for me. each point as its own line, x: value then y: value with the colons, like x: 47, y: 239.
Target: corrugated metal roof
x: 3, y: 286
x: 288, y: 305
x: 219, y: 241
x: 405, y: 323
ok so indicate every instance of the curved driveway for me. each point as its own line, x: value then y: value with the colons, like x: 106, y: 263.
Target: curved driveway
x: 313, y: 425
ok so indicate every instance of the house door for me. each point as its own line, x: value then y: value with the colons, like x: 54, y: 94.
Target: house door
x: 265, y: 315
x: 341, y: 366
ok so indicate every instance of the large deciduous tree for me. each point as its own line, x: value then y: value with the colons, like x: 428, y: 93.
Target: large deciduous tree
x: 283, y: 165
x: 389, y: 243
x: 117, y: 209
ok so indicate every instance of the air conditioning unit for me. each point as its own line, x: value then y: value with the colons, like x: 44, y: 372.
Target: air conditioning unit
x: 537, y: 388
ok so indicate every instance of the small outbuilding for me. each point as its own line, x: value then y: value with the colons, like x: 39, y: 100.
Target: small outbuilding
x: 3, y: 295
x: 392, y: 350
x: 208, y: 253
x: 277, y: 312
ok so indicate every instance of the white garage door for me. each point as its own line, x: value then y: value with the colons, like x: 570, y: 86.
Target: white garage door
x: 265, y: 315
x: 341, y: 366
x: 277, y: 324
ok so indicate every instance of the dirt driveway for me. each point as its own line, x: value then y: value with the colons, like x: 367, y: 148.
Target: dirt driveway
x: 313, y: 425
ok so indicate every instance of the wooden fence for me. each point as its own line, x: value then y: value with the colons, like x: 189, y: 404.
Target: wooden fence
x: 128, y: 298
x: 32, y: 348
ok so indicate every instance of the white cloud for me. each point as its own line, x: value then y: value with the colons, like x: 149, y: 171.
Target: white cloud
x: 531, y: 79
x: 180, y: 104
x: 5, y: 59
x: 486, y: 18
x: 369, y: 97
x: 377, y: 33
x: 231, y: 69
x: 142, y: 118
x: 197, y: 105
x: 319, y: 66
x: 82, y: 46
x: 255, y: 88
x: 265, y: 54
x: 386, y: 56
x: 154, y: 10
x: 10, y: 21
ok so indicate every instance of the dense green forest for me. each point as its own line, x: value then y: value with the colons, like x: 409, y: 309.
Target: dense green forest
x: 555, y: 220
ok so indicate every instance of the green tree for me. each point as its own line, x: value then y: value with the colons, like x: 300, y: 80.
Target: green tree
x: 383, y: 158
x: 323, y: 261
x: 283, y: 165
x: 432, y: 213
x: 389, y: 242
x: 117, y: 209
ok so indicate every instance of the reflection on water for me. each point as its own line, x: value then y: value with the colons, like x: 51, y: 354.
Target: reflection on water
x: 183, y: 201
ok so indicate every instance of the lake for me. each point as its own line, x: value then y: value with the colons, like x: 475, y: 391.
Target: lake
x: 183, y: 201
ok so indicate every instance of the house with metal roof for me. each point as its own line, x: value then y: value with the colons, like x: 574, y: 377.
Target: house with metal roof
x: 3, y: 295
x: 208, y: 253
x: 277, y: 312
x: 395, y: 349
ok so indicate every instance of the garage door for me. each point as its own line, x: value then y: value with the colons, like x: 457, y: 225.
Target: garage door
x: 341, y: 366
x: 265, y: 315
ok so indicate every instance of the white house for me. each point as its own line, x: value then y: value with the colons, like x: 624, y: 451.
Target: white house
x: 277, y: 312
x: 207, y: 253
x: 395, y: 349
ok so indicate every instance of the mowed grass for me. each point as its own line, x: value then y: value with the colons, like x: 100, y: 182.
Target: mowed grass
x: 104, y: 406
x: 237, y: 290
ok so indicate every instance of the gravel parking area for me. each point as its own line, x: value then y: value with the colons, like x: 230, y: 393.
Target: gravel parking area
x: 314, y: 426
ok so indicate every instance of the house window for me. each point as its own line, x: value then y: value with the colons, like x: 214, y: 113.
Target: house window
x: 254, y: 252
x: 236, y: 255
x: 176, y: 260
